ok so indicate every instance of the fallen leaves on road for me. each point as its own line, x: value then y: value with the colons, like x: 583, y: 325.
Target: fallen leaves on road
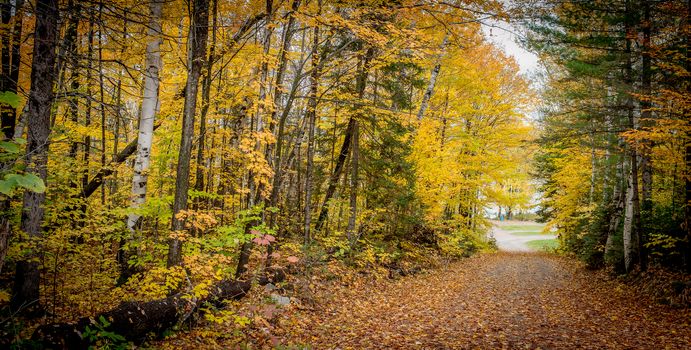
x: 511, y: 301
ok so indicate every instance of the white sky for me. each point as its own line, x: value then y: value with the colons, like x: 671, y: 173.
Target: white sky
x: 502, y: 35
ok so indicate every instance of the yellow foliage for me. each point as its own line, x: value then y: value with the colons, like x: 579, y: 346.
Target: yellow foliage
x: 470, y: 149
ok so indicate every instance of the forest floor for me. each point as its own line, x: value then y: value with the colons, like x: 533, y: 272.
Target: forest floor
x: 490, y: 301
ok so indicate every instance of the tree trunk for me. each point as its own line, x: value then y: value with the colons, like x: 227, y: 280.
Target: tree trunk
x: 255, y: 192
x: 97, y: 180
x: 196, y: 50
x: 336, y: 175
x: 611, y: 199
x: 206, y: 97
x: 311, y: 121
x: 646, y: 115
x: 631, y: 214
x: 27, y: 277
x: 432, y: 80
x: 11, y: 41
x: 616, y: 210
x: 102, y: 94
x: 136, y: 320
x: 87, y: 116
x: 606, y: 174
x: 146, y: 132
x: 345, y: 148
x: 593, y: 169
x: 69, y: 54
x: 361, y: 85
x: 8, y: 118
x: 354, y: 182
x: 687, y: 181
x: 278, y: 93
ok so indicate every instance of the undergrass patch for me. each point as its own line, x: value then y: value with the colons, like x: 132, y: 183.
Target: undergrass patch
x: 543, y: 244
x: 523, y: 228
x: 526, y: 233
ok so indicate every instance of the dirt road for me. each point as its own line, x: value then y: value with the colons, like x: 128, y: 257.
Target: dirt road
x: 492, y: 301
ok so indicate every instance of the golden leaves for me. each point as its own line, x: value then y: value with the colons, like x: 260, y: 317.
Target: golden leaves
x: 474, y: 139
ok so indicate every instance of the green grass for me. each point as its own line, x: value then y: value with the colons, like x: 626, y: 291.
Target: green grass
x: 543, y: 244
x: 526, y: 233
x: 523, y: 228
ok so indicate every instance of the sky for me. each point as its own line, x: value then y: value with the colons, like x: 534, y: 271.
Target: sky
x: 502, y: 35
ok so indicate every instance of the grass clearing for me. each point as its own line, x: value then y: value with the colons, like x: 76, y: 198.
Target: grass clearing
x: 523, y: 228
x: 543, y: 244
x: 526, y: 233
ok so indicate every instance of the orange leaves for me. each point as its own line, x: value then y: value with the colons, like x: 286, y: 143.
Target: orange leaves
x: 264, y: 239
x: 490, y: 301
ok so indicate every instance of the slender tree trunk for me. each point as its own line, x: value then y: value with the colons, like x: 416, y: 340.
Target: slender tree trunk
x: 631, y: 214
x: 607, y: 168
x: 646, y: 115
x: 280, y: 72
x: 86, y: 156
x: 617, y: 208
x: 117, y: 97
x: 102, y: 95
x: 355, y: 155
x: 687, y: 181
x: 593, y: 168
x: 311, y: 121
x: 196, y: 50
x: 11, y: 41
x: 336, y: 175
x: 147, y: 117
x: 98, y: 179
x: 354, y: 182
x: 27, y: 276
x: 8, y: 118
x: 432, y: 80
x: 255, y: 191
x: 206, y: 97
x: 70, y: 55
x: 345, y: 149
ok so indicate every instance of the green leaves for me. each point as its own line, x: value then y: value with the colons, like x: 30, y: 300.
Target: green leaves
x: 100, y: 338
x: 9, y: 147
x: 27, y: 181
x: 13, y: 175
x: 12, y: 147
x: 9, y: 98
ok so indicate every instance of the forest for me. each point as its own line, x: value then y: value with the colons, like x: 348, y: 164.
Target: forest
x: 331, y: 174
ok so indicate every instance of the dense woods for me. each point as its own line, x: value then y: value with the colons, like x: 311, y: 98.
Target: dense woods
x: 616, y: 157
x: 162, y: 157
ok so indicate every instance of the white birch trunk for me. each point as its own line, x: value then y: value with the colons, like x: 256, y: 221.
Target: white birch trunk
x: 148, y: 113
x: 629, y: 244
x: 432, y: 80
